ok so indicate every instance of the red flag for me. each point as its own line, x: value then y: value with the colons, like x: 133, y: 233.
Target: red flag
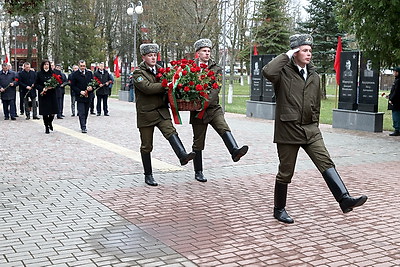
x: 6, y: 60
x: 196, y: 55
x: 158, y: 56
x: 336, y: 65
x: 116, y: 68
x: 255, y: 51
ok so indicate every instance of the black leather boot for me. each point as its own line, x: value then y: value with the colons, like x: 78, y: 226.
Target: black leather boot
x: 148, y: 172
x: 339, y: 191
x: 198, y: 166
x: 179, y: 149
x: 46, y: 124
x: 233, y: 148
x: 280, y: 195
x: 50, y: 122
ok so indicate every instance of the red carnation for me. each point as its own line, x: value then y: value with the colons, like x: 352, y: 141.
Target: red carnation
x: 210, y: 73
x: 161, y: 70
x: 199, y: 87
x: 16, y: 79
x: 203, y: 66
x: 164, y: 83
x: 180, y: 86
x: 191, y: 61
x: 212, y: 78
x: 167, y: 69
x: 183, y: 66
x: 159, y: 75
x: 184, y: 61
x: 215, y: 86
x: 184, y: 72
x: 170, y: 86
x: 173, y: 62
x: 176, y: 76
x: 186, y: 89
x: 202, y: 93
x: 198, y: 69
x: 205, y: 86
x: 191, y: 83
x: 192, y: 69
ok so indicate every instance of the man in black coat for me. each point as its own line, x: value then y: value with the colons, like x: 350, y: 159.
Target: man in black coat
x: 27, y: 78
x: 394, y: 100
x: 8, y: 84
x: 104, y: 90
x: 60, y: 92
x: 83, y: 93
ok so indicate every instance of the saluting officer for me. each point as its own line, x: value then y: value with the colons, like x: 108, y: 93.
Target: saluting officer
x: 152, y: 111
x: 298, y: 99
x: 213, y: 115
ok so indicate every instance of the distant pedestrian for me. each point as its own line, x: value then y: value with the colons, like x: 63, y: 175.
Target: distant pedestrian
x: 104, y: 90
x: 27, y: 79
x: 298, y: 99
x: 60, y: 92
x: 48, y: 106
x: 8, y: 84
x: 80, y: 80
x: 152, y: 111
x: 73, y: 98
x: 394, y: 100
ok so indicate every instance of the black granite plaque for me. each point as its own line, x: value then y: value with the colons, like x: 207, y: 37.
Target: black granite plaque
x: 348, y: 80
x: 369, y: 86
x: 256, y: 78
x: 268, y: 94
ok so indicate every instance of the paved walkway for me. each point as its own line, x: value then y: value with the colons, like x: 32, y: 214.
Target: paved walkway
x: 73, y: 199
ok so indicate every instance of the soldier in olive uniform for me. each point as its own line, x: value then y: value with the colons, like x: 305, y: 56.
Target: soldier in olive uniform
x: 298, y: 97
x: 213, y: 115
x: 152, y: 111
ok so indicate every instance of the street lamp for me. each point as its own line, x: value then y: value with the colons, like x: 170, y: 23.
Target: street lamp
x: 14, y: 25
x: 224, y: 2
x: 135, y: 10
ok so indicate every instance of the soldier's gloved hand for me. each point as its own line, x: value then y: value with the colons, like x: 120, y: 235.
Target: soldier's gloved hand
x: 291, y: 52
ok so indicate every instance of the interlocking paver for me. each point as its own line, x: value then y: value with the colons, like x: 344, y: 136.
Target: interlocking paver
x: 66, y: 200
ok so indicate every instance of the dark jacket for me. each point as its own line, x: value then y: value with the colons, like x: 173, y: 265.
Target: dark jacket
x: 103, y: 77
x: 5, y: 80
x: 394, y: 95
x: 61, y: 89
x: 48, y: 101
x: 27, y: 79
x: 79, y: 82
x: 214, y: 108
x: 151, y: 97
x: 297, y: 101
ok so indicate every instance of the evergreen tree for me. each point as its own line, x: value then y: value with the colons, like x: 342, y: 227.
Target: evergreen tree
x: 271, y: 29
x: 376, y: 27
x: 323, y: 27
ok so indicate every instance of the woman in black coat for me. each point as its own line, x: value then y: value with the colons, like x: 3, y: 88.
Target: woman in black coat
x: 47, y: 96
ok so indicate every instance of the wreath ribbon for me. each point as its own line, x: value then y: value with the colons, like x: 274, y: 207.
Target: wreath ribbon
x: 172, y: 97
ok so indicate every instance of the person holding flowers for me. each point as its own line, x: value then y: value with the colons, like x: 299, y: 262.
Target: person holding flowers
x: 46, y: 82
x: 152, y: 110
x: 212, y: 114
x: 104, y: 90
x: 8, y: 84
x: 81, y: 85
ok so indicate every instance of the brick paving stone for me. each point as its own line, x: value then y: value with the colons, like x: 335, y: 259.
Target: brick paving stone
x: 98, y: 211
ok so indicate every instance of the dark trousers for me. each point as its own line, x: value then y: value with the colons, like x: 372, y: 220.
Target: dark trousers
x: 396, y: 119
x: 60, y: 102
x: 101, y: 98
x: 21, y: 102
x: 199, y: 131
x: 27, y: 107
x: 146, y: 134
x: 287, y: 154
x: 83, y: 111
x: 9, y: 108
x: 92, y: 103
x: 73, y: 103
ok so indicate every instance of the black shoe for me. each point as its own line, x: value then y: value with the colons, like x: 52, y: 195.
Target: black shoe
x: 148, y: 178
x: 21, y: 113
x: 395, y: 133
x: 59, y: 117
x: 36, y: 118
x: 348, y: 203
x: 98, y: 114
x: 198, y: 175
x: 62, y: 116
x: 84, y: 131
x: 73, y: 115
x: 282, y: 216
x: 17, y: 115
x: 106, y: 114
x: 6, y: 118
x: 27, y: 118
x: 51, y: 126
x: 47, y: 129
x: 92, y: 113
x: 13, y: 118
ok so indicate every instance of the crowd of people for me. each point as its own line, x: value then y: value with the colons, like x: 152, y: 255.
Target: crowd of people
x: 42, y: 92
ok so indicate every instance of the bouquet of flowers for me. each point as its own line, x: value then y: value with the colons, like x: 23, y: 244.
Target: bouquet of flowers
x: 188, y: 86
x: 94, y: 83
x: 51, y: 83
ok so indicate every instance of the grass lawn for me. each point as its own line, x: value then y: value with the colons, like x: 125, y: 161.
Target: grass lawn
x: 242, y: 93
